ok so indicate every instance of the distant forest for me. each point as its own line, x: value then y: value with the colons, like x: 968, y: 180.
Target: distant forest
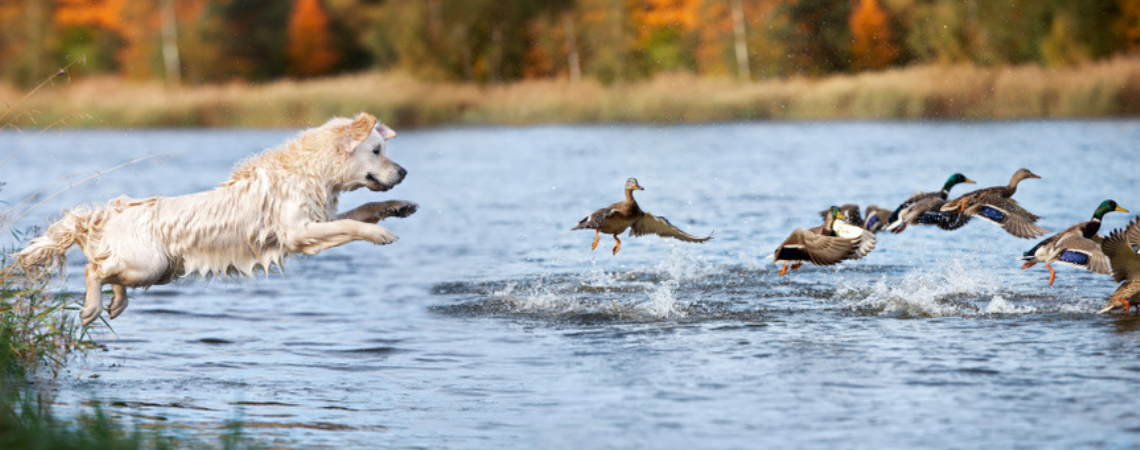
x: 493, y: 41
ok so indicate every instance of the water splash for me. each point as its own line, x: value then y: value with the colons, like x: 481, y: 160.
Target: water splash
x: 941, y: 292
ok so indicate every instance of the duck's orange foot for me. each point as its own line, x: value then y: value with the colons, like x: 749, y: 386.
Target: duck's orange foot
x: 797, y: 265
x: 618, y: 245
x: 784, y: 270
x: 1052, y: 274
x: 1028, y: 265
x: 962, y: 209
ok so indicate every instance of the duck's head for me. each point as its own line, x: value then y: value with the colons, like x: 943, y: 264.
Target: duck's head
x: 836, y: 213
x: 1105, y: 207
x: 955, y: 180
x: 631, y: 185
x: 1022, y: 174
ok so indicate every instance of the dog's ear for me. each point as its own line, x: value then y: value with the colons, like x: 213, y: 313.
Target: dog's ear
x: 385, y: 132
x: 359, y: 130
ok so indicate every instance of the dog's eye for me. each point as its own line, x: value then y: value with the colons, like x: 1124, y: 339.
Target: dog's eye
x: 376, y: 151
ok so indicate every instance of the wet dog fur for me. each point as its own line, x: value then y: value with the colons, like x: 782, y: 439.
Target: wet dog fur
x: 280, y: 202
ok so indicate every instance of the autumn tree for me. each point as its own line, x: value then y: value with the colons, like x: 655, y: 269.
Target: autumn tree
x: 310, y: 48
x: 872, y: 42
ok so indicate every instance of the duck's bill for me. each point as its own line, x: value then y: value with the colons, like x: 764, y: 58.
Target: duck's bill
x: 969, y: 181
x: 1121, y: 209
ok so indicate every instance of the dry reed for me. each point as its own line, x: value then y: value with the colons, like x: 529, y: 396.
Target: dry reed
x: 1107, y: 88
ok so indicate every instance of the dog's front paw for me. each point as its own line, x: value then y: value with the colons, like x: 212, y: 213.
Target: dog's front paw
x: 381, y: 236
x: 401, y: 208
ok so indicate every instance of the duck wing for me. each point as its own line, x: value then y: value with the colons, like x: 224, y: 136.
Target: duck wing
x: 650, y: 224
x: 864, y: 240
x: 1118, y: 247
x: 944, y: 220
x: 877, y: 218
x: 804, y: 245
x: 594, y: 221
x: 999, y: 212
x: 1072, y: 249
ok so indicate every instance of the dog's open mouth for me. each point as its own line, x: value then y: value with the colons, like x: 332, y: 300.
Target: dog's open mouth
x: 375, y: 185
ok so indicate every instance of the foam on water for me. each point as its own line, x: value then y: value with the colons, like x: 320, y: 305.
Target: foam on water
x: 941, y: 291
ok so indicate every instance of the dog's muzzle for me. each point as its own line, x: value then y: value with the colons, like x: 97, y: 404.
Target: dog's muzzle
x: 376, y: 185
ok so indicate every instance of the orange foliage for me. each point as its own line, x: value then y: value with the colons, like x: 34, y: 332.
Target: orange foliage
x: 310, y: 48
x: 649, y: 15
x: 1129, y: 23
x: 872, y: 45
x: 105, y: 14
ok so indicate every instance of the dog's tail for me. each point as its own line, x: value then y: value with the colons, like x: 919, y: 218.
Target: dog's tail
x: 49, y: 250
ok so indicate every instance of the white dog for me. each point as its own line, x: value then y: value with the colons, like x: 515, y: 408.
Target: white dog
x: 277, y: 203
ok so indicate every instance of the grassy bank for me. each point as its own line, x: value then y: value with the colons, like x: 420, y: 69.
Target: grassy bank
x: 1102, y: 89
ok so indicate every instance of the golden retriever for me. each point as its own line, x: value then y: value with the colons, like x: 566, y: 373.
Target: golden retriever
x: 277, y: 203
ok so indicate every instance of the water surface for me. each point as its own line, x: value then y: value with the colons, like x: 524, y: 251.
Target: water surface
x: 491, y: 325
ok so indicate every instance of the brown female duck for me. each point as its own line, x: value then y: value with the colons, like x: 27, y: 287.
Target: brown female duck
x: 618, y: 217
x: 996, y: 205
x: 1125, y: 266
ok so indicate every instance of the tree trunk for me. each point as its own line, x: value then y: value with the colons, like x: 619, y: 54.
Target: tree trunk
x: 170, y: 55
x: 742, y: 66
x: 572, y: 61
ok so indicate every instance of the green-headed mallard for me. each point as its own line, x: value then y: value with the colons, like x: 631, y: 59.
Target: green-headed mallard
x: 923, y: 208
x: 1077, y: 246
x: 618, y: 217
x: 1125, y: 265
x: 875, y: 221
x: 824, y: 245
x: 996, y: 205
x: 850, y: 212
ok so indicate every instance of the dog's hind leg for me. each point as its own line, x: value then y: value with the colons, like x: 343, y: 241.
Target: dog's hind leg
x: 94, y: 301
x: 119, y: 303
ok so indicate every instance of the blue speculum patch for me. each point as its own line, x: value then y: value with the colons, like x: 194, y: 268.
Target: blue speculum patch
x: 1074, y: 257
x: 992, y: 214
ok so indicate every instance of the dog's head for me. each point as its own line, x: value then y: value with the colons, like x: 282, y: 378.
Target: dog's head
x: 368, y: 164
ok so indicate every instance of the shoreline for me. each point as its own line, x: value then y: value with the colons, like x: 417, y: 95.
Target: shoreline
x: 1104, y: 89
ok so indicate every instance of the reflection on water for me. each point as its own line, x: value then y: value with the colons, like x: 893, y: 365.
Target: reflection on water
x: 490, y: 324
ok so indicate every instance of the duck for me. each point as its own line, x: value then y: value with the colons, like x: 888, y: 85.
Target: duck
x: 850, y: 212
x: 923, y: 208
x: 1077, y: 246
x: 1125, y: 262
x: 875, y: 221
x: 996, y: 205
x: 626, y: 214
x: 825, y: 245
x: 877, y: 218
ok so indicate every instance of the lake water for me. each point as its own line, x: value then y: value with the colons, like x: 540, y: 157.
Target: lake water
x: 491, y: 325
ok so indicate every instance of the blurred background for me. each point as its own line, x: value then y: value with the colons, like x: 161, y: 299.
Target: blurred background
x: 609, y: 46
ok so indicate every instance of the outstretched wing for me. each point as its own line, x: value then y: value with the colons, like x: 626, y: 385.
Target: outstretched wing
x: 650, y: 224
x: 1012, y: 222
x: 804, y: 245
x: 864, y: 240
x: 1118, y: 247
x: 594, y: 221
x: 1076, y: 250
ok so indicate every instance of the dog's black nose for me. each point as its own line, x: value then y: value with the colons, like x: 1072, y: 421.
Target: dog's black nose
x: 403, y: 173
